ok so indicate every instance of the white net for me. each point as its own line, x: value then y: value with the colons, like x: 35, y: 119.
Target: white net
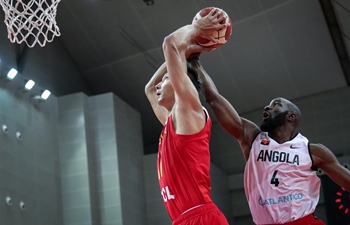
x: 31, y: 21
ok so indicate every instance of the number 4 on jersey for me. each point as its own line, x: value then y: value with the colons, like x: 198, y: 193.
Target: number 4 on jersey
x: 274, y: 180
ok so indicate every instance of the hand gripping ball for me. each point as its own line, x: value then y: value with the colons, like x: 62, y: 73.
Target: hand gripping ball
x: 221, y: 35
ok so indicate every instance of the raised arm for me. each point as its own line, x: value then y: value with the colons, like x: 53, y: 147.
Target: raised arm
x: 150, y: 91
x: 325, y: 160
x: 188, y: 113
x: 241, y: 129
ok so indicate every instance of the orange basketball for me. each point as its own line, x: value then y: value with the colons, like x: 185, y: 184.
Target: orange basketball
x: 221, y: 35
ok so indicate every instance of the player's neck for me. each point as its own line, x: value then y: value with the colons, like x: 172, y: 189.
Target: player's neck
x: 168, y: 104
x: 281, y: 134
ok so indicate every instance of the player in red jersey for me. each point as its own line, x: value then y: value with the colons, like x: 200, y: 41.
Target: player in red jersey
x: 183, y: 155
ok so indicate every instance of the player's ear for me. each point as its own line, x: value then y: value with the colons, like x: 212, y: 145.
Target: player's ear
x: 291, y: 116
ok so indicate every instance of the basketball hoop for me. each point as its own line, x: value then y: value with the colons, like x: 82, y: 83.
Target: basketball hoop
x: 31, y: 21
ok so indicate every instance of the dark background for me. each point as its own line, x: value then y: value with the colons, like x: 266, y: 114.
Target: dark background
x: 335, y: 215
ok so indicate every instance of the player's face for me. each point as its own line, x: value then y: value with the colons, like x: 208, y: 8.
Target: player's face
x: 165, y: 91
x: 274, y: 115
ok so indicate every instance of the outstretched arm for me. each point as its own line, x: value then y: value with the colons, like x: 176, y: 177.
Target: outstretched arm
x: 151, y: 93
x: 241, y: 129
x: 325, y: 160
x: 188, y: 115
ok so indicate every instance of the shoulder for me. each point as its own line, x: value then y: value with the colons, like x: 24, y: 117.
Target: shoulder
x: 250, y: 131
x: 318, y: 149
x: 188, y: 121
x: 301, y: 137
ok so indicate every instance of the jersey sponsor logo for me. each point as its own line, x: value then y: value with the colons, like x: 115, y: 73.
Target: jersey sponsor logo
x: 166, y: 194
x: 280, y: 199
x: 265, y: 142
x: 277, y: 156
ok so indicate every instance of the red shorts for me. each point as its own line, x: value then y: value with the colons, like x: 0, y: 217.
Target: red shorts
x: 306, y: 220
x: 207, y: 214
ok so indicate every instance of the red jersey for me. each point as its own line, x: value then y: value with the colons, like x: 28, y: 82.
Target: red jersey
x: 184, y: 168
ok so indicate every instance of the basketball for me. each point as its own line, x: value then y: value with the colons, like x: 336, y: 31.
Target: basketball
x: 221, y: 35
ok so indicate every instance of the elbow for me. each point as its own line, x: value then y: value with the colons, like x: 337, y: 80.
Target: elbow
x: 168, y: 41
x: 148, y: 88
x: 146, y: 91
x: 169, y: 44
